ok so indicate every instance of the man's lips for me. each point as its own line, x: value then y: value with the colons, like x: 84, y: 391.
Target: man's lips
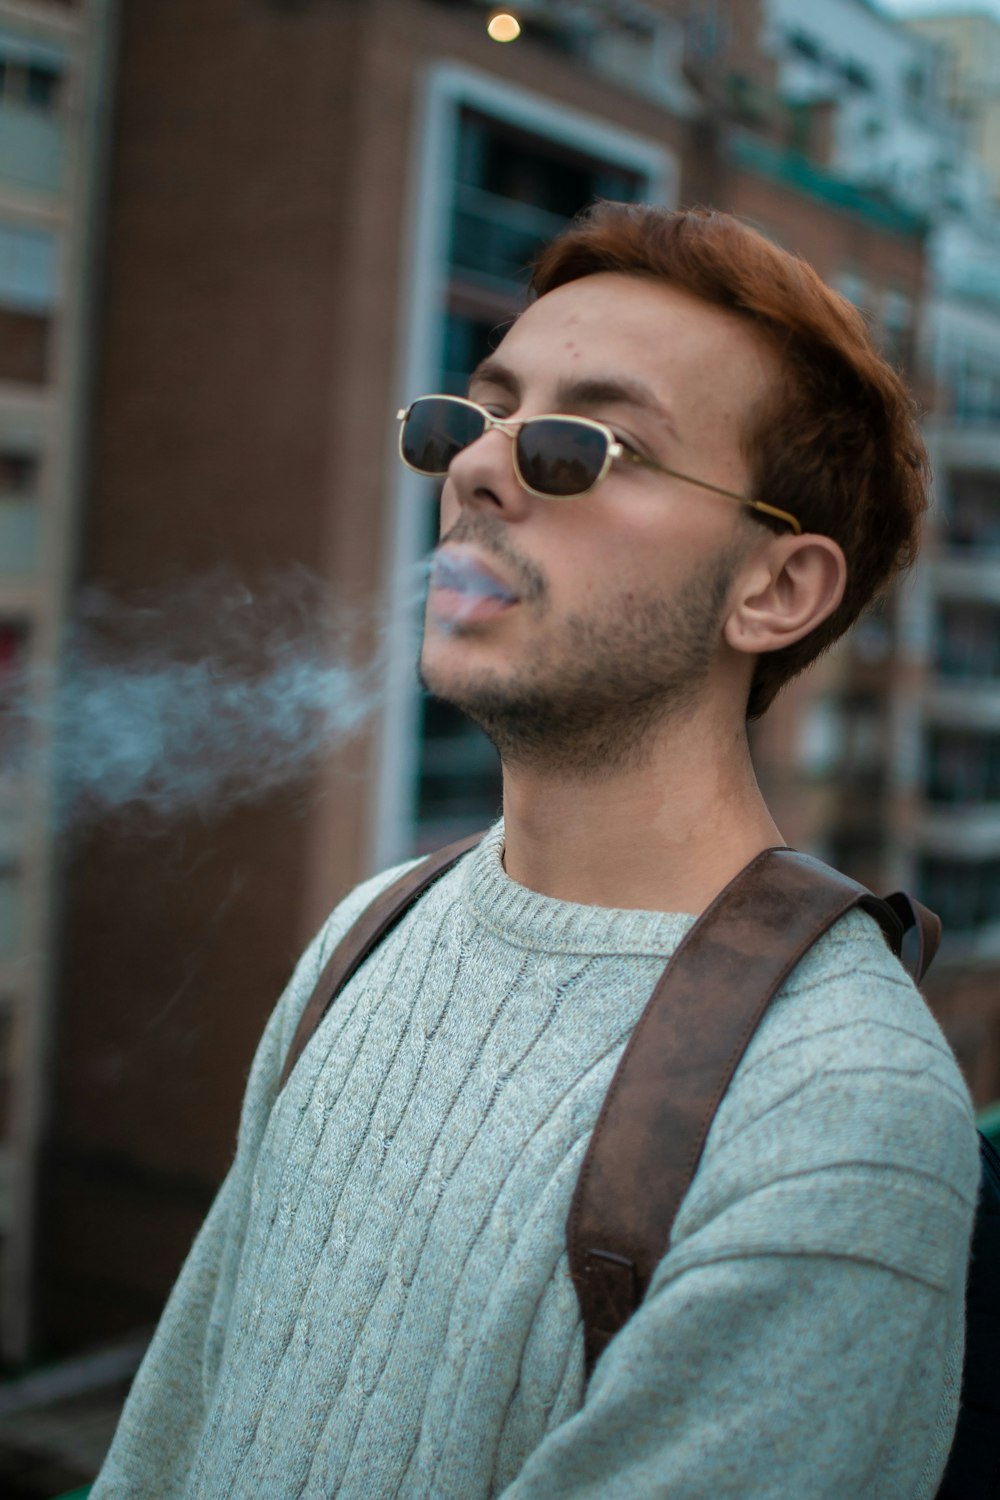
x: 465, y: 589
x: 466, y: 573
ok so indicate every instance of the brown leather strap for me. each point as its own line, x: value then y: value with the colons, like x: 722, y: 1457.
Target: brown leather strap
x: 925, y: 926
x: 367, y: 932
x: 682, y: 1055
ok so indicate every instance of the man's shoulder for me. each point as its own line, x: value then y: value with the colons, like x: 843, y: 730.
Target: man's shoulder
x: 848, y: 1127
x: 336, y: 927
x: 850, y: 1016
x: 314, y: 959
x: 354, y: 904
x: 849, y: 1064
x: 852, y: 990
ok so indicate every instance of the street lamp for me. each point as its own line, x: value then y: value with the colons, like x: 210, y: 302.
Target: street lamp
x: 503, y: 26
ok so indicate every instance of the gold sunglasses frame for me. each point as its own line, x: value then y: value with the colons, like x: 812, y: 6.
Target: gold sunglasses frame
x: 511, y: 426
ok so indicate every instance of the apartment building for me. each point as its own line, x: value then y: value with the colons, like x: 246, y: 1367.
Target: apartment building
x: 54, y: 64
x: 953, y: 707
x: 969, y: 45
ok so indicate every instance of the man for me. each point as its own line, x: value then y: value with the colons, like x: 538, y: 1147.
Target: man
x: 379, y: 1303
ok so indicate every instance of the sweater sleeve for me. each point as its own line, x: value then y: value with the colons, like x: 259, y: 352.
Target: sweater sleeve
x: 163, y: 1418
x: 803, y: 1335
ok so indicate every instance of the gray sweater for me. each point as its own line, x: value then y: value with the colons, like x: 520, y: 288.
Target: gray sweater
x: 379, y: 1302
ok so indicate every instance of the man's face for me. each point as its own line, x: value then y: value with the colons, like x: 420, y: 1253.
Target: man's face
x: 607, y: 615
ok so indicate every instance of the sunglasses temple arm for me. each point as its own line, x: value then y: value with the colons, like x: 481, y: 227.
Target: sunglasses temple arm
x: 761, y: 505
x: 779, y: 515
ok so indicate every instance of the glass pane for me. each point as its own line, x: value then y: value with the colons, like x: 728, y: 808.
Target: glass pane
x: 27, y: 268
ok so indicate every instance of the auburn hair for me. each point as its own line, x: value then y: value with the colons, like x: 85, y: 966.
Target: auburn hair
x: 837, y: 443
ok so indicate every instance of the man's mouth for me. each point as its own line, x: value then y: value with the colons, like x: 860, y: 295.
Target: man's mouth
x: 464, y: 590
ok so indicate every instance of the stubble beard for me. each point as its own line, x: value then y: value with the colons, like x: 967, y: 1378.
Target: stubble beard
x: 592, y: 702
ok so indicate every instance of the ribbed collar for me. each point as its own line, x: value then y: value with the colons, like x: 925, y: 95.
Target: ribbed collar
x: 530, y: 920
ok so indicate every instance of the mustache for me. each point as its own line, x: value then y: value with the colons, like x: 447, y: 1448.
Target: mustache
x: 491, y: 537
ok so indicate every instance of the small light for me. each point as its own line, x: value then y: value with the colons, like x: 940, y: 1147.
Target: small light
x: 503, y: 27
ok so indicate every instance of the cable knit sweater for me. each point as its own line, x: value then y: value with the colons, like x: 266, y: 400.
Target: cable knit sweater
x: 379, y: 1302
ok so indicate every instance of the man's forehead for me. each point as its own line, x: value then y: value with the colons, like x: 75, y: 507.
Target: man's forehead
x: 633, y: 331
x: 573, y: 391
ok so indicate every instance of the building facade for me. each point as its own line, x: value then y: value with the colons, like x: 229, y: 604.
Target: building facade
x: 55, y: 63
x: 953, y: 709
x: 969, y: 46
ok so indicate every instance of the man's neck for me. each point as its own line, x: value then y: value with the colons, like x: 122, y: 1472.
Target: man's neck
x: 664, y: 836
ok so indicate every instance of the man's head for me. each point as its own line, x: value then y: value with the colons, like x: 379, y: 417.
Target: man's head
x: 835, y: 441
x: 570, y: 628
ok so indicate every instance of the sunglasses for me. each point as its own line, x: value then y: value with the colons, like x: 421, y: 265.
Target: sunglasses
x: 555, y: 458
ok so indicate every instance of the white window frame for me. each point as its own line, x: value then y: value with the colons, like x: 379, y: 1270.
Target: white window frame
x: 448, y: 87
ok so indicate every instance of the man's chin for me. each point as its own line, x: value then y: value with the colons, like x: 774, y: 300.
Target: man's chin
x: 444, y: 680
x: 454, y: 653
x: 461, y: 684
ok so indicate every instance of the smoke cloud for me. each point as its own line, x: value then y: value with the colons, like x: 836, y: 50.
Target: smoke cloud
x: 195, y: 700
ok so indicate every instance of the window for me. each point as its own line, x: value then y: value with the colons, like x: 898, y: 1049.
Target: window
x: 859, y: 851
x: 897, y: 325
x: 41, y: 86
x: 851, y: 284
x: 963, y: 767
x: 977, y: 391
x: 964, y: 893
x: 513, y: 192
x: 511, y: 197
x: 967, y: 641
x: 27, y: 269
x: 864, y: 763
x: 13, y: 666
x: 872, y: 640
x: 8, y: 1065
x: 916, y: 84
x: 30, y: 77
x: 820, y: 748
x: 705, y: 32
x: 973, y: 508
x: 857, y: 76
x: 805, y: 45
x: 11, y: 893
x: 19, y: 468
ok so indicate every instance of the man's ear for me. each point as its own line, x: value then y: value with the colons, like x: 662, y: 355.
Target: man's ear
x: 785, y: 589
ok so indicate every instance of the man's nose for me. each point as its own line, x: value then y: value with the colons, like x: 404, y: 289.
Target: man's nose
x: 483, y: 474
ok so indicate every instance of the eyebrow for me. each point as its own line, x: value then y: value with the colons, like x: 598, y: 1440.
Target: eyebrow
x: 617, y: 390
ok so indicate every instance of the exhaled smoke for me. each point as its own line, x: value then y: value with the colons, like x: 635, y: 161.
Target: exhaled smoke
x: 196, y: 700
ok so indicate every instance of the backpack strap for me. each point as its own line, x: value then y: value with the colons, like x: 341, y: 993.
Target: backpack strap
x: 679, y: 1062
x: 365, y: 935
x: 921, y: 932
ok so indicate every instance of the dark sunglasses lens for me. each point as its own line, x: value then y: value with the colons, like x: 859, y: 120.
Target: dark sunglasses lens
x: 435, y: 430
x: 557, y: 457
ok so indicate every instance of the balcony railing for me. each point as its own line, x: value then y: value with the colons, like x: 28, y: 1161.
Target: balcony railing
x: 975, y: 830
x: 967, y: 705
x: 498, y: 238
x: 970, y: 577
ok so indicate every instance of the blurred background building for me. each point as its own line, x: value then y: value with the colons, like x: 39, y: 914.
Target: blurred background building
x: 54, y: 79
x: 235, y: 237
